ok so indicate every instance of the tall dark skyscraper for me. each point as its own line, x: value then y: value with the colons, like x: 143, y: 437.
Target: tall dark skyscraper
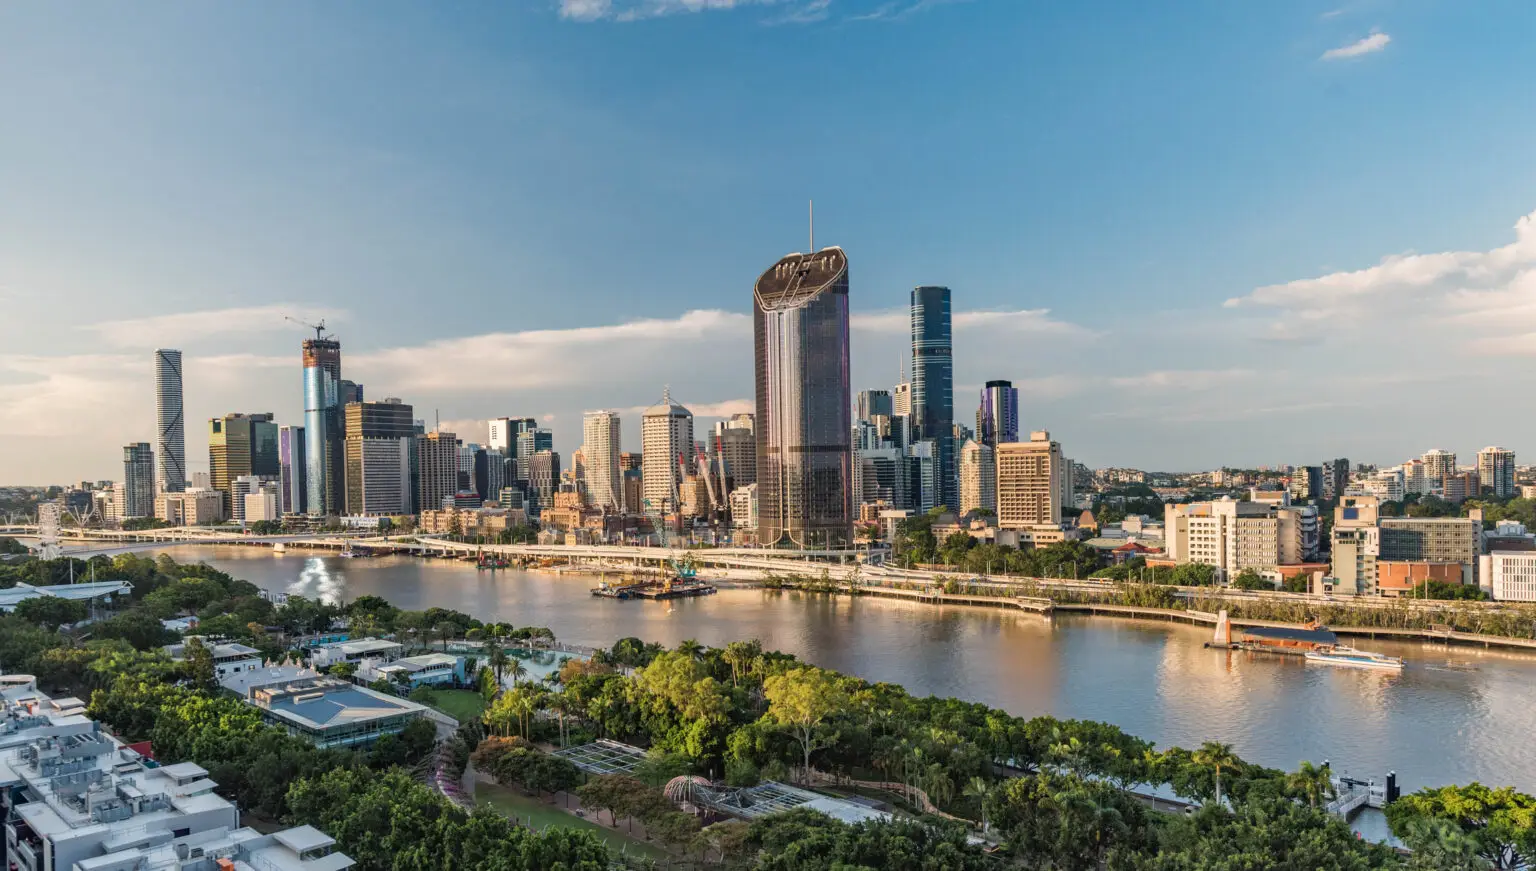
x: 933, y: 386
x: 804, y: 454
x: 323, y: 426
x: 290, y: 469
x: 138, y: 480
x: 997, y: 420
x: 873, y: 402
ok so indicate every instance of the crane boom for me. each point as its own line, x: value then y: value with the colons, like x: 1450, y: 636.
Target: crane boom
x: 318, y: 328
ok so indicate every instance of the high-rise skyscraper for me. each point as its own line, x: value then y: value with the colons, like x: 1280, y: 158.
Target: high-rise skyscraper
x: 380, y: 453
x: 240, y: 445
x: 901, y: 400
x: 138, y: 480
x: 804, y: 455
x: 1438, y: 464
x: 323, y: 427
x: 502, y: 433
x: 978, y: 478
x: 873, y: 402
x: 529, y: 442
x: 290, y: 469
x: 543, y: 480
x: 438, y: 470
x: 600, y: 431
x: 933, y: 385
x: 997, y: 420
x: 171, y: 438
x: 733, y: 443
x: 666, y: 442
x: 1496, y: 471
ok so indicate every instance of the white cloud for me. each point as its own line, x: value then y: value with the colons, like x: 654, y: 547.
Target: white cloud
x: 899, y: 321
x: 182, y: 327
x: 534, y: 359
x: 1184, y: 379
x: 634, y: 10
x: 1366, y: 45
x: 1493, y: 290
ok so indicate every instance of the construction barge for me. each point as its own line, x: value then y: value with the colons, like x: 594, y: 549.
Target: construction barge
x: 1315, y: 642
x: 671, y: 588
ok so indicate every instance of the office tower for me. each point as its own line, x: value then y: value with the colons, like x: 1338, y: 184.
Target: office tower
x: 262, y: 504
x: 323, y: 426
x: 202, y: 481
x: 629, y: 461
x: 632, y: 489
x: 577, y: 474
x: 543, y: 480
x: 733, y: 444
x: 804, y: 459
x: 933, y: 384
x: 600, y: 432
x: 1307, y: 482
x: 1029, y: 482
x: 666, y: 452
x: 138, y: 480
x: 884, y: 476
x: 290, y: 469
x: 1496, y: 471
x: 978, y: 478
x: 1335, y: 479
x: 437, y: 457
x: 923, y: 476
x: 873, y: 402
x: 529, y: 442
x: 171, y: 438
x: 901, y: 400
x: 997, y: 420
x: 380, y: 451
x: 488, y: 474
x: 1438, y: 464
x: 240, y: 445
x: 240, y: 488
x: 503, y: 431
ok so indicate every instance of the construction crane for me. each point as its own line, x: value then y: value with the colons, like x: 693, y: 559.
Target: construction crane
x: 318, y: 328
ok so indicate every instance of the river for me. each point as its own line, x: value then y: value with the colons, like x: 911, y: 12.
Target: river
x: 1454, y: 715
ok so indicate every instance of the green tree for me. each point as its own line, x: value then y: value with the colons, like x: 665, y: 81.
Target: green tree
x: 51, y: 612
x: 198, y: 661
x: 1313, y: 782
x: 1216, y: 756
x: 802, y: 700
x: 1501, y: 823
x: 1248, y: 579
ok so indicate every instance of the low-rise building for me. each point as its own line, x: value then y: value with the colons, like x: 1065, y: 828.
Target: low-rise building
x: 429, y: 669
x: 194, y: 507
x: 1509, y: 576
x: 329, y: 712
x: 355, y: 651
x: 228, y: 657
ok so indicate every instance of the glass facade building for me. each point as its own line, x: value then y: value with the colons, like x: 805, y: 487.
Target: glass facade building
x: 804, y: 456
x: 997, y: 420
x: 291, y: 464
x: 171, y: 438
x: 323, y: 433
x: 933, y: 386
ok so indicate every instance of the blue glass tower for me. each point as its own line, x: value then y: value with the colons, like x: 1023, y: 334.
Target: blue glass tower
x: 933, y: 386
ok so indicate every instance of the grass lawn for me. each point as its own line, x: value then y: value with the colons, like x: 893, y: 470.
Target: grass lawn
x: 462, y: 705
x: 539, y: 814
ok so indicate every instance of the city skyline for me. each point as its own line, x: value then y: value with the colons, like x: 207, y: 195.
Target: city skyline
x: 1222, y: 325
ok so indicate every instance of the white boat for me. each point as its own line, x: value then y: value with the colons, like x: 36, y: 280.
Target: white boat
x: 279, y: 547
x: 1355, y: 658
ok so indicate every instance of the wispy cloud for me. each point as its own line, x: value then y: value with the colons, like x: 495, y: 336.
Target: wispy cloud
x: 1185, y: 379
x: 785, y: 11
x: 1020, y: 320
x: 1363, y: 46
x: 174, y: 329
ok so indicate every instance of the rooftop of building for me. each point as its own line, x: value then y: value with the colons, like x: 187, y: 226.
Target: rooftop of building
x: 361, y: 646
x: 299, y: 849
x: 243, y: 683
x: 220, y: 649
x: 422, y: 662
x: 326, y: 703
x: 13, y: 596
x: 798, y: 278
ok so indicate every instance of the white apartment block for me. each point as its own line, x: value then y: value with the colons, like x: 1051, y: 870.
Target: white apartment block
x: 601, y: 449
x: 74, y: 798
x: 978, y: 477
x: 666, y: 451
x: 1509, y: 576
x: 1232, y: 536
x: 1496, y: 470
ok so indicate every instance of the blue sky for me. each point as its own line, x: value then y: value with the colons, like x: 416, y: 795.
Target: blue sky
x: 530, y: 208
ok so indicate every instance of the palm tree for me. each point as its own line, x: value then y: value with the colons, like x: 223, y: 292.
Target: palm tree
x: 517, y: 670
x: 979, y: 789
x: 1216, y: 756
x: 938, y: 785
x: 1311, y: 781
x: 498, y: 659
x: 692, y: 649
